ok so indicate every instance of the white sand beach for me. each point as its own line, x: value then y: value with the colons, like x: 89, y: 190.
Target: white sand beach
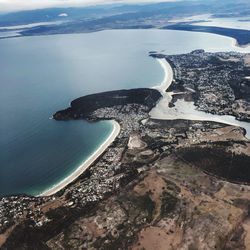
x: 181, y: 110
x: 186, y: 110
x: 162, y: 105
x: 168, y: 76
x: 86, y: 164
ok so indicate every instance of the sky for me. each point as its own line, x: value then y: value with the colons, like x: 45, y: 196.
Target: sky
x: 15, y: 5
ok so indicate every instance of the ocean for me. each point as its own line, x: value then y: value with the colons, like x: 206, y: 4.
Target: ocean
x: 41, y: 75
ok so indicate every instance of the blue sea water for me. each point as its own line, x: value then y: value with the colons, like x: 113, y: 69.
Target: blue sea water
x: 40, y: 75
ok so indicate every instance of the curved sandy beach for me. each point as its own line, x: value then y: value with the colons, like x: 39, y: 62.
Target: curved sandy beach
x: 186, y: 110
x: 182, y: 110
x: 160, y: 107
x: 87, y: 163
x: 168, y: 76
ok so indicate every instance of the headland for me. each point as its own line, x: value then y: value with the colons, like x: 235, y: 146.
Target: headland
x: 174, y: 185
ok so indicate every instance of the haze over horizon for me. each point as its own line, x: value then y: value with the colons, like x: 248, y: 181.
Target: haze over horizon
x: 19, y: 5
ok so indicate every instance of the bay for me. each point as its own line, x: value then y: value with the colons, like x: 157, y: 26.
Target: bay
x: 40, y: 75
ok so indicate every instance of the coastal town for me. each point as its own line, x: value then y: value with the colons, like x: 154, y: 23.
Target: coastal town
x: 158, y: 183
x: 216, y: 82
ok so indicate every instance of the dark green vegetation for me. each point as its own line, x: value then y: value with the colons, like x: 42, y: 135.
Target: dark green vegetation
x: 83, y: 106
x: 166, y: 199
x: 242, y: 36
x: 217, y: 161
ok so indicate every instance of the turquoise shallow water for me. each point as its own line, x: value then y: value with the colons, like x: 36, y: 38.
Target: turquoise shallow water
x: 40, y: 75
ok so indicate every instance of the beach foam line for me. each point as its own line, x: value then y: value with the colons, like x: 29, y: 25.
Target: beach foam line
x: 86, y: 164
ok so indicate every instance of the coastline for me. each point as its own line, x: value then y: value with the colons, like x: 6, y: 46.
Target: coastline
x: 86, y: 164
x: 186, y: 110
x: 161, y: 111
x: 155, y: 113
x: 236, y: 44
x: 168, y: 76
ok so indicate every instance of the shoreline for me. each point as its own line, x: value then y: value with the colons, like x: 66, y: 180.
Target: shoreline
x: 186, y: 110
x: 168, y: 76
x: 158, y: 112
x: 86, y: 164
x: 236, y: 44
x: 162, y: 88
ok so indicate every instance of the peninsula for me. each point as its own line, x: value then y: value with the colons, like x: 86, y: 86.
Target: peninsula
x: 163, y: 181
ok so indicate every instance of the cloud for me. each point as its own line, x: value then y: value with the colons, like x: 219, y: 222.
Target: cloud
x: 14, y: 5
